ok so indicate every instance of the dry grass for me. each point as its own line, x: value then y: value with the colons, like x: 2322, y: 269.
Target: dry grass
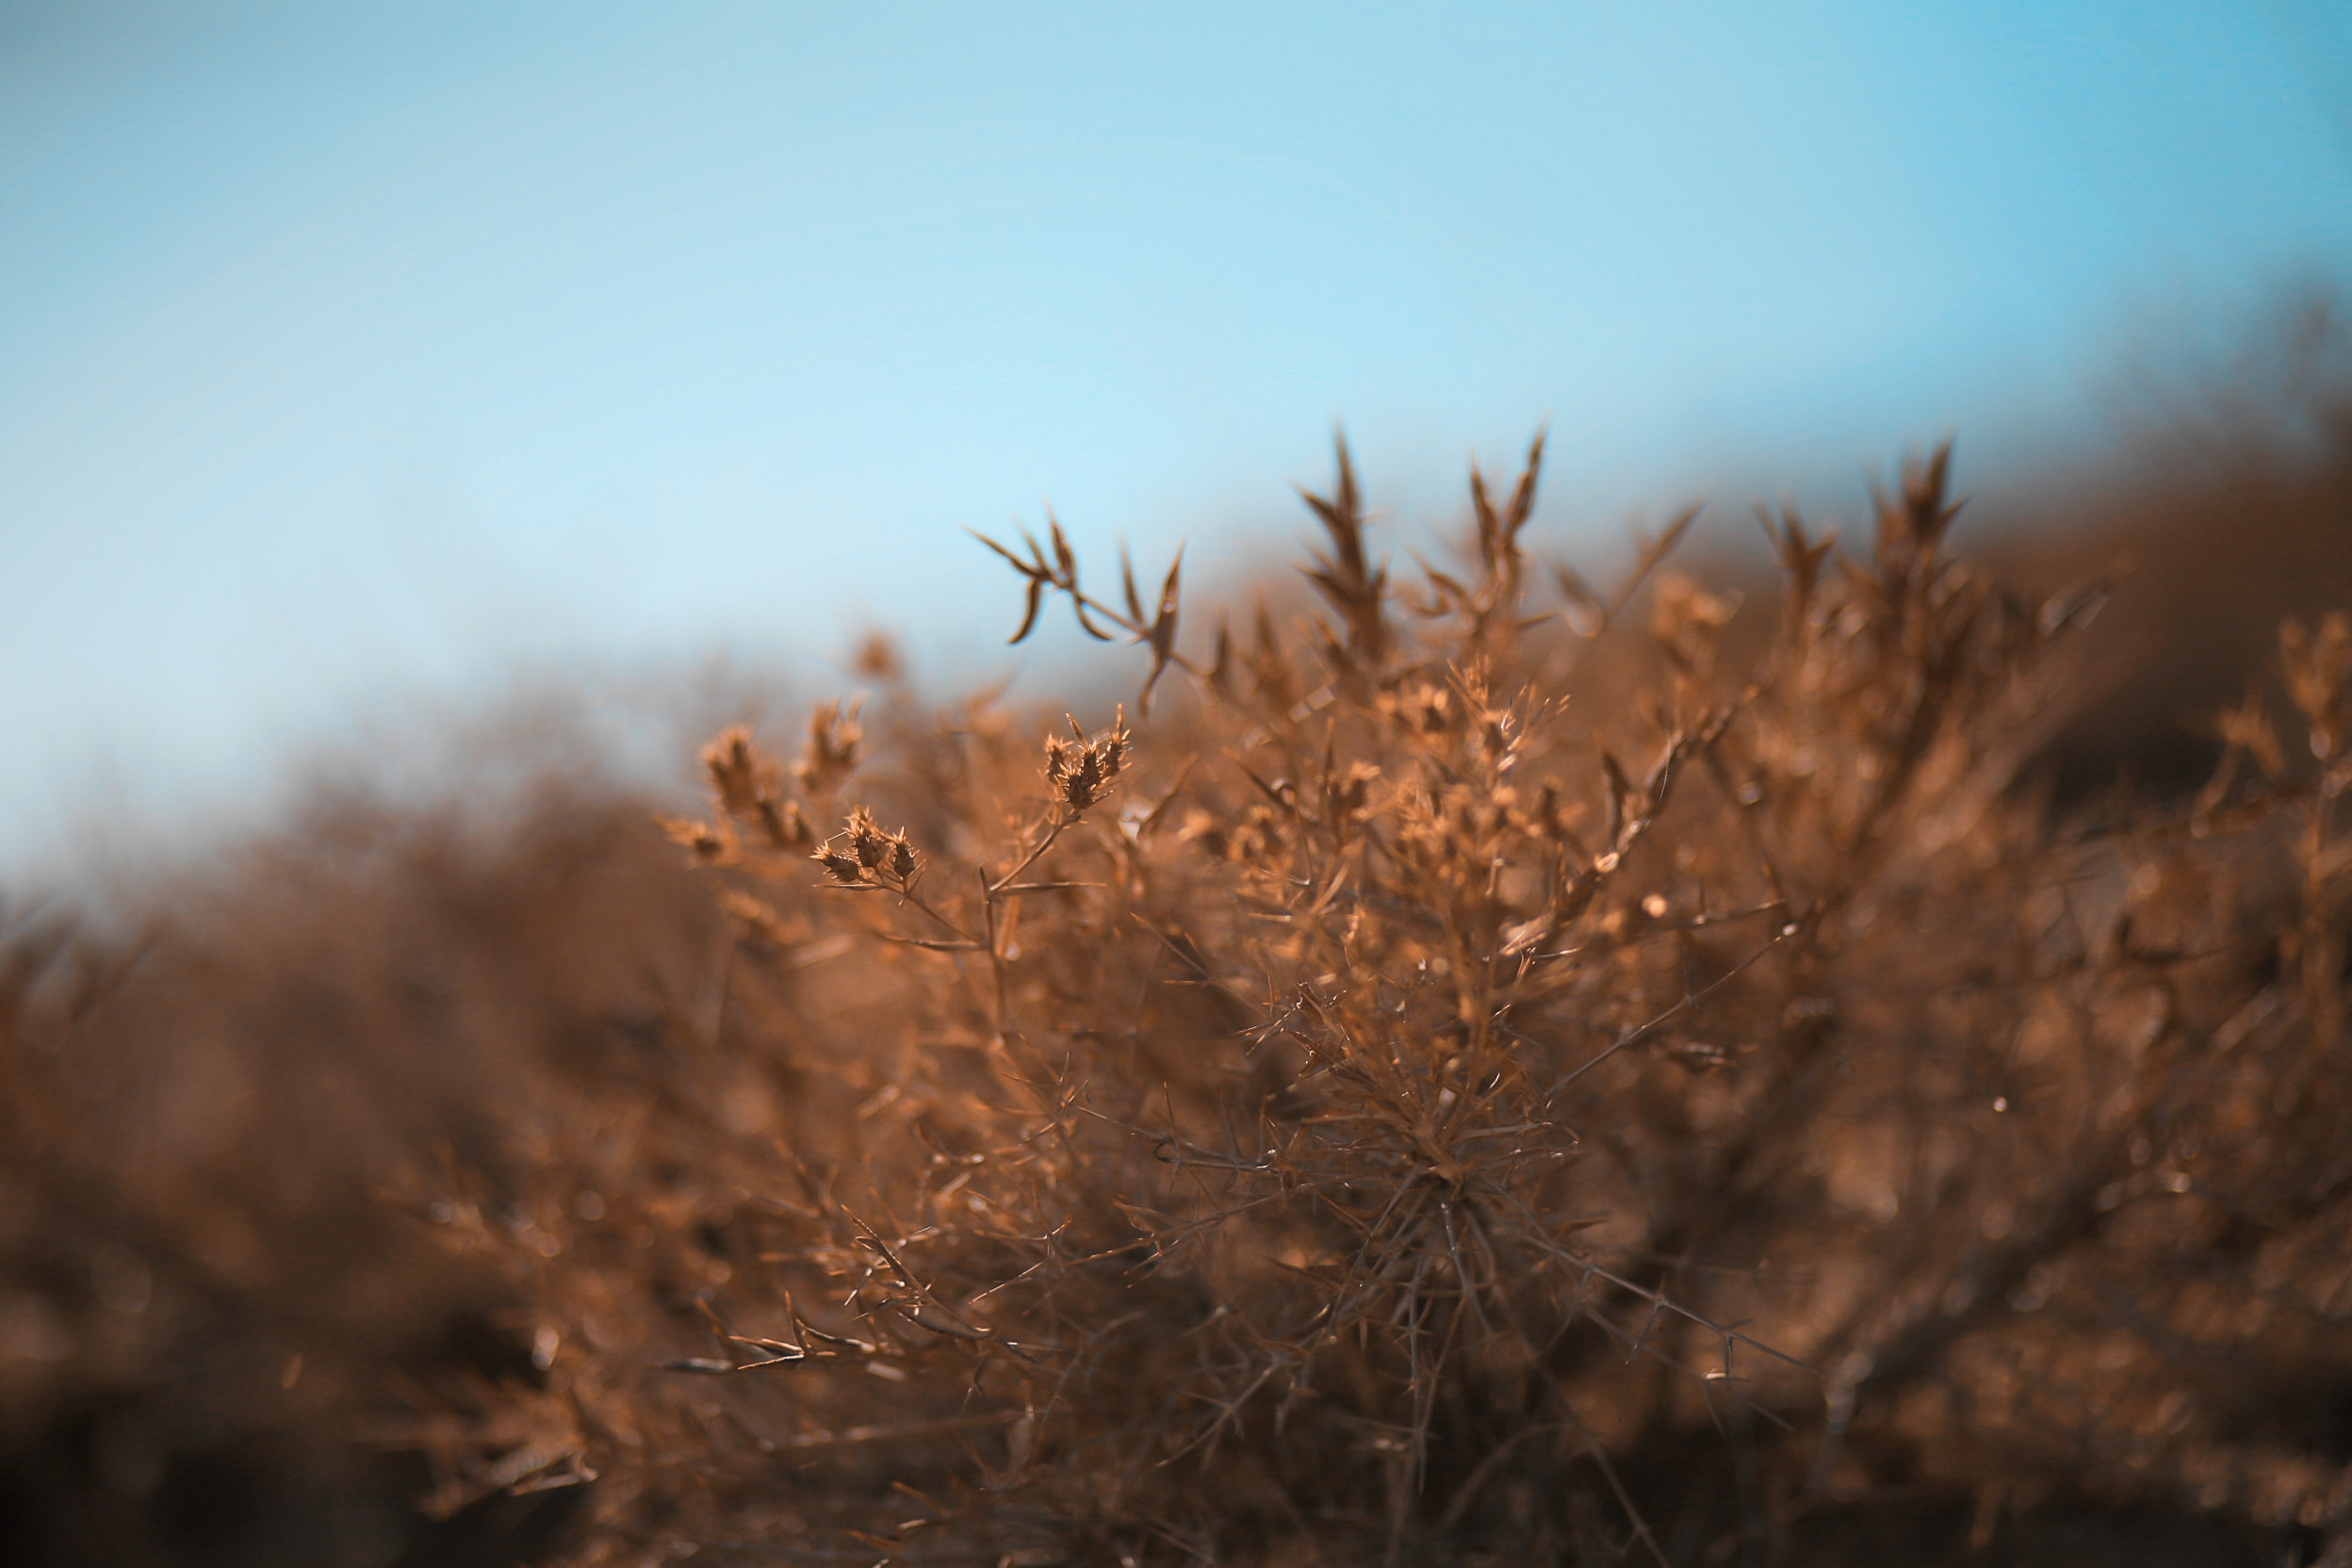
x: 1474, y: 1066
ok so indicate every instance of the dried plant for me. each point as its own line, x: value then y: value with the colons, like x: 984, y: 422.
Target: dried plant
x: 1490, y: 1062
x: 1475, y: 1080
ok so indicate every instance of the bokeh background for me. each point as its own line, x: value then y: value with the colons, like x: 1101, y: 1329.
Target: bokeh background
x: 359, y: 358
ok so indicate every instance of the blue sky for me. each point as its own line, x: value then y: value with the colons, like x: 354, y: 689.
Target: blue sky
x: 350, y: 350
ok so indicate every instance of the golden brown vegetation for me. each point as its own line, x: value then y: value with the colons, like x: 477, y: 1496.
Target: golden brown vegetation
x: 1414, y: 1096
x: 1476, y: 1067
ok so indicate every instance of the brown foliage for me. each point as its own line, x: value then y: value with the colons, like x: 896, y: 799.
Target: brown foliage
x: 1474, y: 1075
x: 1462, y: 1066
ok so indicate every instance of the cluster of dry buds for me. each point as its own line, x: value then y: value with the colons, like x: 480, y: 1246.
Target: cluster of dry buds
x: 866, y: 856
x: 749, y: 788
x: 1081, y: 772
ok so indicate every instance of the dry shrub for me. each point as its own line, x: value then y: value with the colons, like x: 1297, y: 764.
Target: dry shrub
x: 1491, y: 1069
x: 215, y: 1334
x: 1478, y: 1067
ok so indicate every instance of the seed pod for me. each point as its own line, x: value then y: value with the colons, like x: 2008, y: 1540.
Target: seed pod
x: 866, y: 841
x: 832, y: 749
x: 1082, y: 772
x: 738, y: 774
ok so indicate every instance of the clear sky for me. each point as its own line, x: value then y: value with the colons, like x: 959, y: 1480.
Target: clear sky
x: 352, y: 349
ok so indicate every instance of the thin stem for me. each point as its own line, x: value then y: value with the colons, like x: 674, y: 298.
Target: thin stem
x: 1029, y: 859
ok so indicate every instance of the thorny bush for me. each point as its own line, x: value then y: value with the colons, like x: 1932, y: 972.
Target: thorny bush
x: 1490, y: 1068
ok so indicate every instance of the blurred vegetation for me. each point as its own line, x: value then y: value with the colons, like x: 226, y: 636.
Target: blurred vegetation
x: 1492, y: 1061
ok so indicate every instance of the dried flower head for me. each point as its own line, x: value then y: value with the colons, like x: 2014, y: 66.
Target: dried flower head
x: 866, y: 841
x: 1081, y: 772
x: 865, y: 854
x: 749, y: 790
x: 784, y: 825
x: 832, y: 750
x: 738, y: 774
x: 843, y: 868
